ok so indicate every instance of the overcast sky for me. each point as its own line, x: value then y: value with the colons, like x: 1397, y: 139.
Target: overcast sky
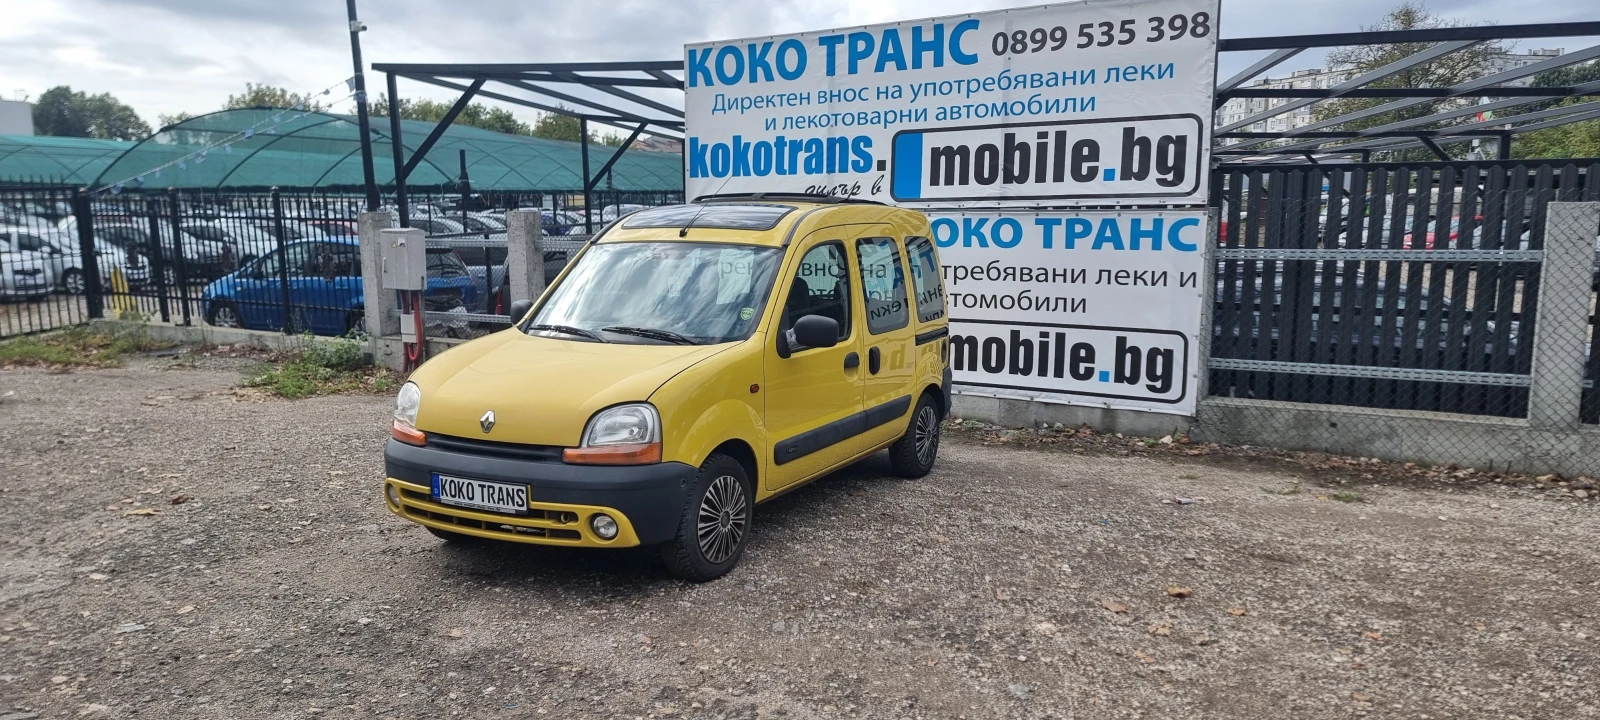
x: 165, y: 56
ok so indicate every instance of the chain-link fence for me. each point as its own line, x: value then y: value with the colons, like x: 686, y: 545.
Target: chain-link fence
x: 1379, y: 311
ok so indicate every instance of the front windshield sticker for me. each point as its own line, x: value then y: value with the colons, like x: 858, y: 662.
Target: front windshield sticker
x: 746, y: 313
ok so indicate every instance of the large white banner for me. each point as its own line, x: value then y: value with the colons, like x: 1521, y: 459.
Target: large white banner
x: 1086, y: 308
x: 1089, y: 103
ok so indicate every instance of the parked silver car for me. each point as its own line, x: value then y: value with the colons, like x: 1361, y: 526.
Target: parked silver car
x: 24, y: 273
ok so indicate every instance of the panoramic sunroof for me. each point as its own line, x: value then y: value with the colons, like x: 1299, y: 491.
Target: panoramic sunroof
x: 731, y: 216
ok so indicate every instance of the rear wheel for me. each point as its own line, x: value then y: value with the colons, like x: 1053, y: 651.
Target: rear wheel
x: 914, y: 453
x: 715, y: 526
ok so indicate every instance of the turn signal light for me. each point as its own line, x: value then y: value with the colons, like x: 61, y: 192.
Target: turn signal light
x: 641, y: 454
x: 407, y: 434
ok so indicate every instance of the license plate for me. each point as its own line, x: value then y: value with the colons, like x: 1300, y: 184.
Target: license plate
x: 480, y: 494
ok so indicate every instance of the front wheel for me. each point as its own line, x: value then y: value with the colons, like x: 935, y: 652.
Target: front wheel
x: 913, y: 455
x: 715, y: 526
x: 225, y: 315
x: 72, y: 282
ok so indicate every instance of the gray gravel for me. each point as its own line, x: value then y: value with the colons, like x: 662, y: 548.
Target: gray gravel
x: 1010, y: 583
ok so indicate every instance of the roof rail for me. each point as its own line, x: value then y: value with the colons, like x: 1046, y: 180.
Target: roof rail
x: 790, y: 196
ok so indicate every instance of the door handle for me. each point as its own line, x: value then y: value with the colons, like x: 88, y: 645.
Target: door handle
x: 852, y: 361
x: 874, y: 360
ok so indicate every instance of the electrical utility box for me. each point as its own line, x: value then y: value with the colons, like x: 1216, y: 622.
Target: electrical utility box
x: 405, y: 259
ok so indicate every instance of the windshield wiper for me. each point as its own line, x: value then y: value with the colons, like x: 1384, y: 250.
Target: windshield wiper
x: 569, y: 330
x: 651, y: 333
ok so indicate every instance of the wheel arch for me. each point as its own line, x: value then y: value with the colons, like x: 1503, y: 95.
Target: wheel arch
x: 745, y: 454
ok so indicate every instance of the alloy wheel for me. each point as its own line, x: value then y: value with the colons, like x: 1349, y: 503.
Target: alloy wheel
x: 724, y: 519
x: 927, y: 435
x: 225, y: 316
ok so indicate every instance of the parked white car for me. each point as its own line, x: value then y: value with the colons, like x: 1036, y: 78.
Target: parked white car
x: 24, y: 273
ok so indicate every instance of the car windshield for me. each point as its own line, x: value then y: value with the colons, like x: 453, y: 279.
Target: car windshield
x: 661, y: 292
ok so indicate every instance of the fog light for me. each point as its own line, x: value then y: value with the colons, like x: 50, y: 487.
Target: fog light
x: 604, y: 526
x: 393, y: 493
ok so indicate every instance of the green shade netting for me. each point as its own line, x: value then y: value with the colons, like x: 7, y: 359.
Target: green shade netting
x: 57, y: 159
x: 289, y: 148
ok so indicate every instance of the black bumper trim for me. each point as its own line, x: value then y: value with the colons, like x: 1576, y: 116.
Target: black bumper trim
x: 651, y: 496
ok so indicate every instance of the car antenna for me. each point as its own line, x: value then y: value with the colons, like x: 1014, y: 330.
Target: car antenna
x: 684, y: 231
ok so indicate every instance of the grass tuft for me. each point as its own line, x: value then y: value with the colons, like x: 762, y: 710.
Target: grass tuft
x: 80, y: 346
x: 326, y: 367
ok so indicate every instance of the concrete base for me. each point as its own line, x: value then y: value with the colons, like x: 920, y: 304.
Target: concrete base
x: 1010, y: 412
x: 387, y: 351
x: 1428, y: 438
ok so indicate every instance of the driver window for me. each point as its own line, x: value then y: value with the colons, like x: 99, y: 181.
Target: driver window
x: 267, y: 266
x: 821, y: 287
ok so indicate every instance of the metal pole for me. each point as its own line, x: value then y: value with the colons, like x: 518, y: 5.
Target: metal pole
x: 177, y: 257
x: 90, y: 252
x: 400, y: 203
x: 158, y: 256
x: 367, y: 173
x: 283, y: 263
x: 588, y: 197
x: 1505, y: 146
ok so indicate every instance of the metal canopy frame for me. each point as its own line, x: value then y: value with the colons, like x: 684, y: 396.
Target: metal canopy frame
x: 1323, y: 139
x: 534, y: 85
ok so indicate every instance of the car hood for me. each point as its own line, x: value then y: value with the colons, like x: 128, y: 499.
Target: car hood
x: 542, y: 390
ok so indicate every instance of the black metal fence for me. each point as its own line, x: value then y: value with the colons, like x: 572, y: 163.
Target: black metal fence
x: 1389, y: 286
x: 269, y: 260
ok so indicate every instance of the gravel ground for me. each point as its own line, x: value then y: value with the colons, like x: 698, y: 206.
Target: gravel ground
x: 179, y: 549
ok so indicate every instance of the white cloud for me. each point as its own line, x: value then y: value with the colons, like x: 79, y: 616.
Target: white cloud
x: 165, y: 56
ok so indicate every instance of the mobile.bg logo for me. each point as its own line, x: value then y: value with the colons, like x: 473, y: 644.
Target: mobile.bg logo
x: 1121, y: 158
x: 1106, y: 362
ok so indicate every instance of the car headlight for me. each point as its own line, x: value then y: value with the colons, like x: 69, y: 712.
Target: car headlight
x: 621, y: 435
x: 406, y: 403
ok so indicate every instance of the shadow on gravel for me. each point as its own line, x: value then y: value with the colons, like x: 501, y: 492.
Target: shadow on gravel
x: 625, y: 572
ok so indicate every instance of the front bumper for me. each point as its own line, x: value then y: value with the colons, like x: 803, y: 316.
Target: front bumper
x: 645, y: 500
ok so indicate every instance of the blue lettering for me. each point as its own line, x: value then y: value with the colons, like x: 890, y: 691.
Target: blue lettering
x: 699, y: 69
x: 919, y: 46
x: 758, y: 61
x: 956, y: 53
x: 1109, y: 233
x: 726, y: 76
x: 861, y: 44
x: 890, y: 51
x: 798, y: 50
x: 831, y: 43
x: 1177, y: 242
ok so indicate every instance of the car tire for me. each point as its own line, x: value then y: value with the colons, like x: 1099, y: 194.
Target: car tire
x: 723, y: 494
x: 224, y: 314
x: 455, y: 538
x: 72, y: 282
x: 913, y: 455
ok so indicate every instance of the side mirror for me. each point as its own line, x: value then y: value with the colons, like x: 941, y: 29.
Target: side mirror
x: 813, y: 331
x: 519, y: 309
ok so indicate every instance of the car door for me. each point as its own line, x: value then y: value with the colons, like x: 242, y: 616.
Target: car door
x: 813, y: 396
x: 890, y: 357
x: 323, y: 288
x: 260, y: 293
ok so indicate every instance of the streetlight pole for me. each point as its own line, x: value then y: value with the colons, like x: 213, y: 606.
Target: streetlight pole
x: 367, y: 174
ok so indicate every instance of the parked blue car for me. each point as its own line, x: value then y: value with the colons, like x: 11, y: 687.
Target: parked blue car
x: 324, y: 294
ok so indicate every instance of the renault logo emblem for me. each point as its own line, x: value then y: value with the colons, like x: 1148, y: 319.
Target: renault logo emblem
x: 487, y: 421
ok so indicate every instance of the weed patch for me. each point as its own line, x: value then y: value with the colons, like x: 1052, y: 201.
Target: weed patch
x: 79, y: 346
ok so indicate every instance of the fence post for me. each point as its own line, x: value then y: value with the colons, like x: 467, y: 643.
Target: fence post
x: 158, y: 257
x: 283, y: 263
x: 90, y: 253
x: 375, y: 298
x: 1556, y: 397
x: 1208, y: 305
x: 524, y: 256
x: 178, y: 258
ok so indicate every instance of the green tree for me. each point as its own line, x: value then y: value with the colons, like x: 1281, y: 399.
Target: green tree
x: 268, y: 96
x: 1453, y: 69
x: 555, y: 126
x: 1577, y: 140
x: 62, y: 112
x: 169, y: 120
x: 474, y: 114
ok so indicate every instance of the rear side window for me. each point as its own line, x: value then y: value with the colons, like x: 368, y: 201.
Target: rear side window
x: 884, y: 283
x: 925, y: 276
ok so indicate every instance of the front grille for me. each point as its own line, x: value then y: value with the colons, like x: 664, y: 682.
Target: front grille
x: 420, y: 506
x: 513, y: 451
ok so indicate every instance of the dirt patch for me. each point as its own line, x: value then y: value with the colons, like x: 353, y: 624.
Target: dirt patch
x: 176, y: 550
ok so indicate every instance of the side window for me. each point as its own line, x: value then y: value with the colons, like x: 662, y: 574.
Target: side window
x: 925, y: 276
x: 331, y: 261
x: 821, y: 287
x: 883, y: 281
x: 301, y: 259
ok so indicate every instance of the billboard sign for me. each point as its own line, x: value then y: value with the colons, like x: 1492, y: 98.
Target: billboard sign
x: 1090, y: 103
